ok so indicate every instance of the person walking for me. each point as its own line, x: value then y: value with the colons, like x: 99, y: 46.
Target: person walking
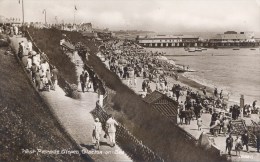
x: 204, y: 91
x: 258, y: 140
x: 54, y: 73
x: 34, y: 69
x: 254, y: 103
x: 229, y: 144
x: 20, y: 51
x: 221, y: 94
x: 111, y: 130
x: 225, y: 126
x: 86, y: 75
x: 82, y: 81
x: 48, y: 76
x: 238, y: 145
x: 216, y: 92
x: 97, y: 129
x: 199, y: 123
x: 38, y: 79
x: 29, y: 46
x: 245, y: 139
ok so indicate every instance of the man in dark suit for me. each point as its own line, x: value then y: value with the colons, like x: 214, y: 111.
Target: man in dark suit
x: 229, y: 144
x: 82, y: 81
x: 245, y: 140
x: 258, y: 140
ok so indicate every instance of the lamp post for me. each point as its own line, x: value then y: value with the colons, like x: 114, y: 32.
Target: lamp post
x: 242, y: 101
x: 44, y: 12
x: 22, y: 10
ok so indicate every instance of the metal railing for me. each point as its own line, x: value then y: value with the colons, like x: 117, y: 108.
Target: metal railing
x: 131, y: 145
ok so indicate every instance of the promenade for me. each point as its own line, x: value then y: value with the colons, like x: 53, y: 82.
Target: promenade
x: 74, y: 116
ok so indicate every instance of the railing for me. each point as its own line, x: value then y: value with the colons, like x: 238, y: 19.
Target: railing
x: 132, y: 146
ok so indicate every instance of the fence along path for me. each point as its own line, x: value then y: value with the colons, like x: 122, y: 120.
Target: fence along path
x: 132, y: 146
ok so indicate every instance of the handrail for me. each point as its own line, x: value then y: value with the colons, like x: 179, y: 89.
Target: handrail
x: 135, y: 147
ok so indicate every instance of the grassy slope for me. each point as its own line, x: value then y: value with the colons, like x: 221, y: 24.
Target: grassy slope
x: 26, y: 122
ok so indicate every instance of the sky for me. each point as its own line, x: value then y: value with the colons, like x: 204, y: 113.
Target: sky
x: 152, y: 15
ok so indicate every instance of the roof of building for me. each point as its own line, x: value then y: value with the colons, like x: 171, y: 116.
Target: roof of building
x: 165, y: 105
x: 169, y: 37
x: 231, y: 36
x: 153, y: 97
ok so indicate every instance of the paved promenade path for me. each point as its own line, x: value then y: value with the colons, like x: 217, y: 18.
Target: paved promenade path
x: 220, y: 141
x: 75, y: 117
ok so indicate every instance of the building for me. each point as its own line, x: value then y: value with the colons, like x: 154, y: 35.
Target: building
x: 4, y: 20
x: 163, y: 104
x: 233, y: 38
x: 168, y: 40
x: 86, y: 27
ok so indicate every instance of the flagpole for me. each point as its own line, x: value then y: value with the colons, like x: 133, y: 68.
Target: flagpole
x: 45, y: 18
x: 44, y: 11
x: 23, y: 10
x: 74, y: 16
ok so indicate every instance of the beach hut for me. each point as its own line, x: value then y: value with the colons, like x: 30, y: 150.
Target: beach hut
x: 163, y: 104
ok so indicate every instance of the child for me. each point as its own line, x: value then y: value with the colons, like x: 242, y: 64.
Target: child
x: 199, y: 123
x: 238, y: 146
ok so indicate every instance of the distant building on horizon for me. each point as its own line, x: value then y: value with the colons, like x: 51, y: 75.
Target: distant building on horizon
x: 233, y: 37
x: 167, y: 40
x: 11, y: 20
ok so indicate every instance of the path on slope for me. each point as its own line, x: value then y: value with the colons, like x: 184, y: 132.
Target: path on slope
x: 75, y: 117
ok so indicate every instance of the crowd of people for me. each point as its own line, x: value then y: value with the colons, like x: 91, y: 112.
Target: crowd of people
x: 10, y: 29
x: 42, y: 74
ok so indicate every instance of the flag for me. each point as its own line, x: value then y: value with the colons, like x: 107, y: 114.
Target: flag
x: 76, y: 8
x: 43, y: 11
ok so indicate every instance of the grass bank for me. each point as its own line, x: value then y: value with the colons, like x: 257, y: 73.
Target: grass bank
x: 27, y: 122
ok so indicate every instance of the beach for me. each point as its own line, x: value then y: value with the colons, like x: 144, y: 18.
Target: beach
x: 236, y: 72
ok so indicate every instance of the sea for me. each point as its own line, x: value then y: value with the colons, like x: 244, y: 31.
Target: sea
x: 236, y: 72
